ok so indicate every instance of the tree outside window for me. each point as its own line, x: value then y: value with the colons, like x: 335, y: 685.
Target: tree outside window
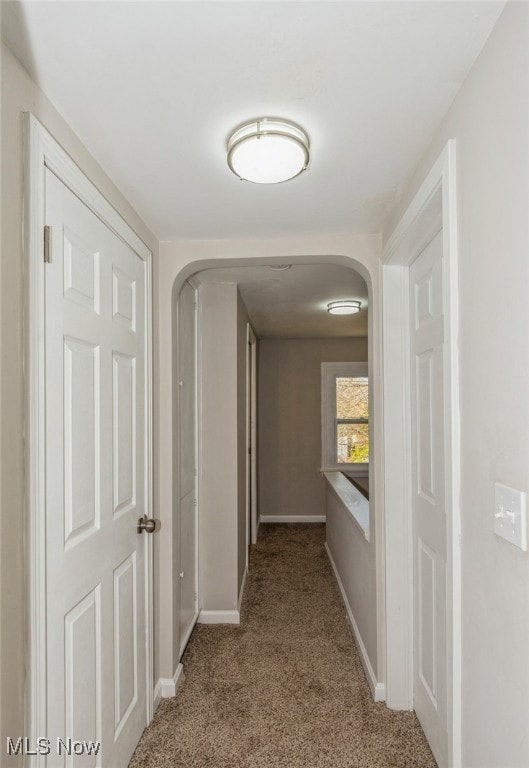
x: 352, y: 419
x: 345, y: 417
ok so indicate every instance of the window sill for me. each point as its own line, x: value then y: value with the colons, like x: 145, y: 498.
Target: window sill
x: 355, y: 503
x: 347, y: 469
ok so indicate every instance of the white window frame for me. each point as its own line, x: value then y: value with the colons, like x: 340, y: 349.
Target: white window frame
x: 329, y: 373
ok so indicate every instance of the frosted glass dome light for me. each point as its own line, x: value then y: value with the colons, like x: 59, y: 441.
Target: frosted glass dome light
x: 268, y: 151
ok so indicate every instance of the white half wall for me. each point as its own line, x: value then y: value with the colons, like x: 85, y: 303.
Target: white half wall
x: 378, y: 690
x: 354, y: 562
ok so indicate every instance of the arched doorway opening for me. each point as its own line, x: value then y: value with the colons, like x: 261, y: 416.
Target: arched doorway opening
x: 366, y: 266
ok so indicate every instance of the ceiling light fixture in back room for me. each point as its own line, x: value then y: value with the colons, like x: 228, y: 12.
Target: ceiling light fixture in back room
x: 345, y: 307
x: 268, y: 150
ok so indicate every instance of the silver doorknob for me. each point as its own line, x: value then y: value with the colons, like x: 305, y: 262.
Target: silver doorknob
x: 147, y: 525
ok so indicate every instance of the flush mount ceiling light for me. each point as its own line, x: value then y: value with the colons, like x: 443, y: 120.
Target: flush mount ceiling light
x: 345, y: 307
x: 268, y: 150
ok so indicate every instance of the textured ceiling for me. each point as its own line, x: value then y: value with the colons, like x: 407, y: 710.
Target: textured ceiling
x: 293, y: 303
x: 154, y: 88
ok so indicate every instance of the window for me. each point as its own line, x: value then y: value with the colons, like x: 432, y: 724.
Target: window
x: 345, y: 417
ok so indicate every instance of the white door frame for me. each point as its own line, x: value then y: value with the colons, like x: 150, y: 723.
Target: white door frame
x: 433, y: 207
x: 41, y: 152
x: 251, y: 442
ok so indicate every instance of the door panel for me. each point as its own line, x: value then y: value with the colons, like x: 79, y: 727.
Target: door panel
x: 81, y: 271
x: 82, y: 667
x: 429, y: 513
x: 123, y: 299
x: 82, y: 500
x: 426, y: 566
x: 95, y: 484
x: 125, y: 640
x: 124, y: 432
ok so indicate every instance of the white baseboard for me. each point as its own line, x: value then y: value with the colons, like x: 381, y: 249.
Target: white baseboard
x: 378, y: 690
x: 241, y: 591
x: 293, y: 518
x: 219, y: 617
x: 167, y: 687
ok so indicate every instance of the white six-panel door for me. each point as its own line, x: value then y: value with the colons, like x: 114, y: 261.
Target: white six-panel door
x: 428, y: 496
x: 95, y: 378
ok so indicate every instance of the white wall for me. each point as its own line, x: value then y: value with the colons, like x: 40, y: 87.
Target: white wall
x: 222, y: 473
x: 20, y: 94
x: 218, y: 470
x: 490, y: 121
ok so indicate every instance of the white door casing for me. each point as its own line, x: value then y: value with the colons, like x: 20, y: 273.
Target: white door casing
x: 187, y: 429
x: 428, y: 495
x: 433, y: 208
x: 89, y: 465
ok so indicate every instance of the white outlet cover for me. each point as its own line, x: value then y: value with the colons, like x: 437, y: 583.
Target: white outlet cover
x: 510, y: 515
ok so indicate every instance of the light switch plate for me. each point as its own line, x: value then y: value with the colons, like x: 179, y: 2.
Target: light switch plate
x: 510, y: 516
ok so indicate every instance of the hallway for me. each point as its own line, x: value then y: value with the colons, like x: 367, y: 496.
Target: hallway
x: 285, y: 688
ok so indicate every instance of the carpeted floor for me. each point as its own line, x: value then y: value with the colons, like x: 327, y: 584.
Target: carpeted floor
x: 285, y: 689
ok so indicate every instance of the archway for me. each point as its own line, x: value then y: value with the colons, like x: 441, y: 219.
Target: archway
x: 360, y: 253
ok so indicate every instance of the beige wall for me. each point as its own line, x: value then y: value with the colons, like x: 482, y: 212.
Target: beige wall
x: 289, y: 418
x: 20, y: 94
x: 218, y: 471
x: 490, y: 122
x: 222, y: 492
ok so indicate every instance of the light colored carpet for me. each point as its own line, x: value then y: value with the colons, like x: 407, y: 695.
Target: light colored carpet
x: 285, y: 688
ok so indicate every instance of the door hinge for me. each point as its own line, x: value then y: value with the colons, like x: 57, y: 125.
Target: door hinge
x: 47, y: 242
